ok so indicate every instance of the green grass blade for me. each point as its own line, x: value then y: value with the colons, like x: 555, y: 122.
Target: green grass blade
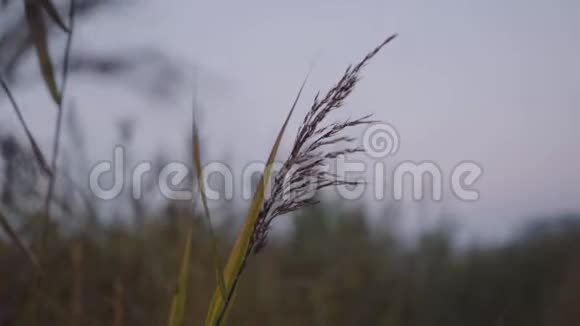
x: 218, y: 306
x: 39, y: 36
x: 214, y: 247
x: 179, y: 297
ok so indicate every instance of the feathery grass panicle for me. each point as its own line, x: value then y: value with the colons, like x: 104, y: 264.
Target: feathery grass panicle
x: 304, y: 171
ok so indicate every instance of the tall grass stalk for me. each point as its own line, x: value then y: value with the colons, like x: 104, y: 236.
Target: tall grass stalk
x: 301, y: 176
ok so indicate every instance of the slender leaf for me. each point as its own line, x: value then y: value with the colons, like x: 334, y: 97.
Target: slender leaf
x: 179, y: 297
x: 219, y: 307
x: 199, y: 173
x: 39, y: 36
x: 58, y: 127
x: 53, y: 13
x: 68, y: 46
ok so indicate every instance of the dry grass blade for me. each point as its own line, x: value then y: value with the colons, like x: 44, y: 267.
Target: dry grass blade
x: 38, y: 31
x: 33, y: 144
x: 219, y: 307
x: 58, y: 127
x: 67, y: 50
x: 53, y: 13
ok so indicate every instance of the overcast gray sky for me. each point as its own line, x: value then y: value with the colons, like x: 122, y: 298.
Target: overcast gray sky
x: 496, y: 82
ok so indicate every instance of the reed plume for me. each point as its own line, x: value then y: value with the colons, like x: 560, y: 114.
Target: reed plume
x: 305, y: 171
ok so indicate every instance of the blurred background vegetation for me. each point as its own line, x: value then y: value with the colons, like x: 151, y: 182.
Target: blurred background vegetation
x: 332, y: 266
